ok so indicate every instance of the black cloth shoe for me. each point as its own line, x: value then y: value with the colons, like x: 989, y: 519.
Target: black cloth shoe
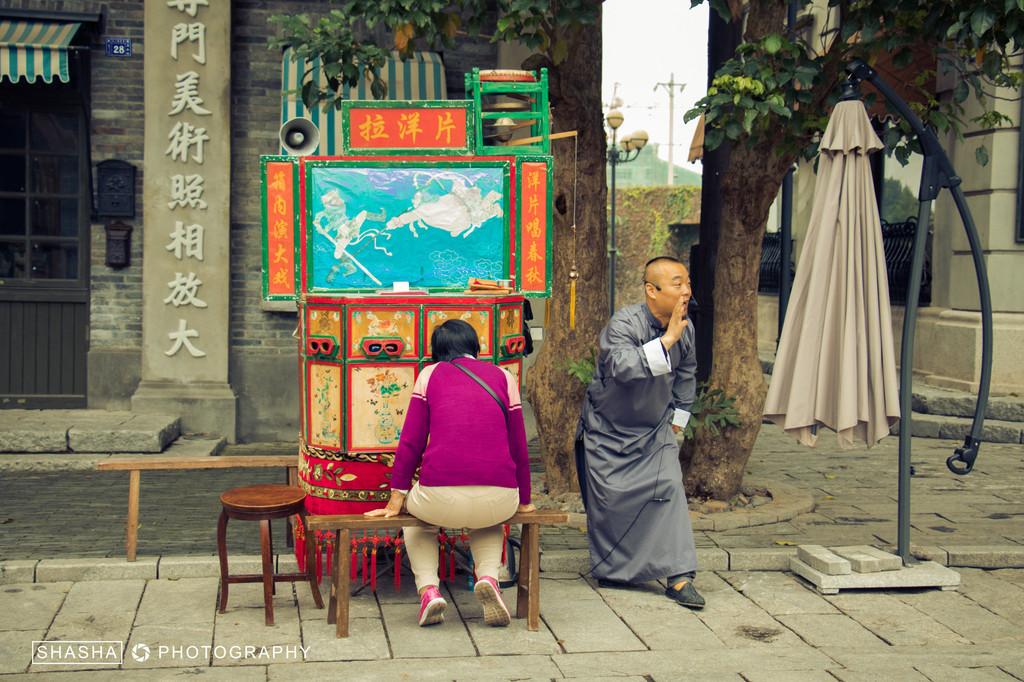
x: 601, y: 582
x: 686, y: 595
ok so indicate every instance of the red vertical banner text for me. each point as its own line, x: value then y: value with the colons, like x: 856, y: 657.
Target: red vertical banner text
x: 280, y: 212
x: 534, y: 220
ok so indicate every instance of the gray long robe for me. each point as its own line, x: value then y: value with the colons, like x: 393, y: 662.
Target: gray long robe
x: 638, y: 523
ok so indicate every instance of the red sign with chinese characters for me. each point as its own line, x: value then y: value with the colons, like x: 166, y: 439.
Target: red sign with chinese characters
x: 280, y: 212
x: 407, y: 128
x: 535, y: 227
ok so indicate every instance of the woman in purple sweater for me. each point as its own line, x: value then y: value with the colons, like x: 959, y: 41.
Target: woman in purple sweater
x: 474, y: 470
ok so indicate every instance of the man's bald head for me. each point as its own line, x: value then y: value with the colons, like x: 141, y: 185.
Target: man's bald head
x: 656, y: 267
x: 666, y: 281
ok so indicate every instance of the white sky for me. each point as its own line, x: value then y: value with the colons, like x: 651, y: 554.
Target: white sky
x: 645, y: 42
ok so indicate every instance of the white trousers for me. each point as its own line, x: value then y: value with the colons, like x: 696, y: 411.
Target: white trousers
x: 479, y: 508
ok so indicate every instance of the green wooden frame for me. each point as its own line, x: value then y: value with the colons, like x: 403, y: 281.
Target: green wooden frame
x: 537, y: 89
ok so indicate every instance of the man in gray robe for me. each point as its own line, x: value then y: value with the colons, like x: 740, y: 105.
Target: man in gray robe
x: 644, y: 384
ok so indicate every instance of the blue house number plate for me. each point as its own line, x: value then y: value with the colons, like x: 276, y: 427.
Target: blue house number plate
x: 119, y: 47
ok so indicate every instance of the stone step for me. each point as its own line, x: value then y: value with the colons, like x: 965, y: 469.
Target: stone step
x: 957, y: 428
x: 942, y: 413
x: 187, y: 446
x: 86, y: 431
x: 930, y: 400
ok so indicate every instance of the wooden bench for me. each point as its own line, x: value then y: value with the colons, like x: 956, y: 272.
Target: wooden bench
x: 136, y: 465
x: 528, y: 593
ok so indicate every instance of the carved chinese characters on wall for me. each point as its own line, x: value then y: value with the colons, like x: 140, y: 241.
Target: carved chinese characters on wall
x: 186, y: 137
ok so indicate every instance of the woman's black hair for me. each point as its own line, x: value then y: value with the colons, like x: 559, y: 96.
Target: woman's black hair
x: 453, y: 339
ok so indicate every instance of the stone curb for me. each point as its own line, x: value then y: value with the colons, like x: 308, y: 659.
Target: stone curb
x: 787, y: 503
x: 76, y: 569
x: 553, y: 561
x: 34, y: 462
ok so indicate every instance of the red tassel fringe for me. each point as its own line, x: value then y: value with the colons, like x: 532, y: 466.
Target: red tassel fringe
x: 368, y: 547
x: 398, y: 568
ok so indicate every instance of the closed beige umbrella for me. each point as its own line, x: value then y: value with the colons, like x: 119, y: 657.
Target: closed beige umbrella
x: 836, y: 363
x: 697, y: 143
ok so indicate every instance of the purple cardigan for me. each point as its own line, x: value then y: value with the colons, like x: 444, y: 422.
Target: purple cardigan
x: 456, y: 433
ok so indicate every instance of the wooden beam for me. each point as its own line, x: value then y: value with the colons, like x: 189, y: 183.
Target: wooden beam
x: 132, y: 525
x: 357, y: 521
x: 531, y: 140
x: 209, y: 462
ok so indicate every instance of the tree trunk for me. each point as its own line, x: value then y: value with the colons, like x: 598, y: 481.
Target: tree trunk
x: 554, y: 395
x: 713, y: 465
x: 716, y: 462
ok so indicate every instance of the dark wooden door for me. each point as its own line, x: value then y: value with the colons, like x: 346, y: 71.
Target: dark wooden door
x: 44, y: 248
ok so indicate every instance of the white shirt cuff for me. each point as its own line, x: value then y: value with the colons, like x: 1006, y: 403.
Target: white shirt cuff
x: 656, y: 357
x: 406, y: 492
x: 681, y: 418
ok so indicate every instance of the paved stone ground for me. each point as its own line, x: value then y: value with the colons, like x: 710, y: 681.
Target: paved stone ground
x: 757, y: 627
x: 980, y: 517
x: 856, y: 494
x: 82, y: 514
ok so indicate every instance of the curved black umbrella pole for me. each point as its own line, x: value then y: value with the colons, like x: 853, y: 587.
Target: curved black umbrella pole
x: 937, y: 173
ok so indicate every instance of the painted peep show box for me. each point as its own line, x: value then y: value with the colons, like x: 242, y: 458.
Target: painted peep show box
x: 370, y: 224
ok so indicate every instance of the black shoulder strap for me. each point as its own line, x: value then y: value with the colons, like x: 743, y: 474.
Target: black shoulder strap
x: 474, y: 377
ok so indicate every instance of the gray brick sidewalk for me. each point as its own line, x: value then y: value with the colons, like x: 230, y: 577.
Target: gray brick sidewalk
x: 63, y: 577
x: 973, y: 520
x: 757, y: 627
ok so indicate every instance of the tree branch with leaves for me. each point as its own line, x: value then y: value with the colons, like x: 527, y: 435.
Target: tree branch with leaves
x: 771, y: 102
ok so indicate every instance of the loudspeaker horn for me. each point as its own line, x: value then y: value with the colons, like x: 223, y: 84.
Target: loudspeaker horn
x: 299, y: 136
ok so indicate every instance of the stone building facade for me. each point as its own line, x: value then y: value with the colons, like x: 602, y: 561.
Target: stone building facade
x: 123, y: 342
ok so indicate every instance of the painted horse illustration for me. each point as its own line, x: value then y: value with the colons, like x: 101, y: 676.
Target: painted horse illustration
x: 458, y: 212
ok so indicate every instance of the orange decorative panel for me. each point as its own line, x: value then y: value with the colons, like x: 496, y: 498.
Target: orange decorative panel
x: 510, y: 320
x: 479, y: 318
x: 534, y: 220
x: 280, y: 215
x: 400, y: 323
x: 407, y: 128
x: 515, y: 368
x: 379, y: 397
x: 324, y: 322
x: 324, y: 405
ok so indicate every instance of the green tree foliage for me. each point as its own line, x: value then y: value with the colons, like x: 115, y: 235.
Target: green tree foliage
x: 770, y: 102
x: 898, y: 202
x: 773, y: 87
x: 341, y: 38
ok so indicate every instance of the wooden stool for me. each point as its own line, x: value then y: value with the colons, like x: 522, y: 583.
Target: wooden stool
x: 263, y: 503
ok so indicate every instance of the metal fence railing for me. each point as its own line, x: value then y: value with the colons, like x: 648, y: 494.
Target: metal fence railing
x: 897, y: 243
x: 771, y: 257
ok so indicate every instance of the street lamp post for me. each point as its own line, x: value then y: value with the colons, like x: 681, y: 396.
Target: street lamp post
x: 631, y: 146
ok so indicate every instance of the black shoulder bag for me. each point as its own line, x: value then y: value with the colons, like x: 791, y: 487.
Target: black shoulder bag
x: 501, y: 404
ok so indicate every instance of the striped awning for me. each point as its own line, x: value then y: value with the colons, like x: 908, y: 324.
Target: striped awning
x: 35, y: 49
x: 419, y: 78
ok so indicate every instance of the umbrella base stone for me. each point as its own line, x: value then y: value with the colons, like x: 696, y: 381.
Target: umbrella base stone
x: 924, y: 574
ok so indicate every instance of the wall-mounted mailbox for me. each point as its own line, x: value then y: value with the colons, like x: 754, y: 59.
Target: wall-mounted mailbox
x: 115, y: 189
x: 119, y: 244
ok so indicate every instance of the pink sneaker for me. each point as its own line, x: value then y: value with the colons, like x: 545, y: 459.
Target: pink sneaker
x: 487, y: 592
x: 432, y: 607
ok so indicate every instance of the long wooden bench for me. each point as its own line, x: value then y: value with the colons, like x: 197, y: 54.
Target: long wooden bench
x: 136, y: 465
x: 342, y: 525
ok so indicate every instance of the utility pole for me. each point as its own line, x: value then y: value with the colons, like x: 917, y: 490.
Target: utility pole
x: 671, y: 87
